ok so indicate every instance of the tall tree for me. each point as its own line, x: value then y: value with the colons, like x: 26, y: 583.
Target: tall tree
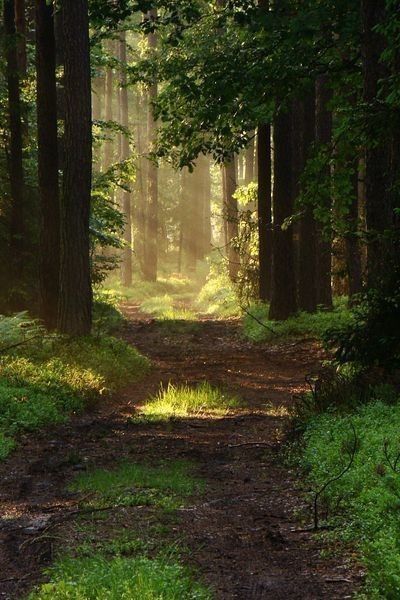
x: 47, y: 163
x: 307, y: 289
x: 75, y: 306
x: 283, y: 300
x: 231, y: 215
x: 323, y: 137
x: 264, y: 211
x: 126, y: 196
x: 15, y: 158
x: 249, y: 162
x: 353, y: 253
x: 379, y: 209
x: 150, y: 273
x: 108, y: 111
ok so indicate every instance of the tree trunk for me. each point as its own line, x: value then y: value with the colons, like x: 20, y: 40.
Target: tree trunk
x: 108, y: 115
x: 47, y: 163
x: 353, y: 254
x: 126, y: 271
x: 307, y: 292
x: 264, y: 211
x: 141, y: 179
x: 323, y: 136
x: 379, y: 214
x: 152, y: 181
x: 231, y: 216
x: 20, y: 25
x: 189, y: 223
x: 283, y: 301
x: 249, y: 172
x: 75, y: 307
x: 15, y: 160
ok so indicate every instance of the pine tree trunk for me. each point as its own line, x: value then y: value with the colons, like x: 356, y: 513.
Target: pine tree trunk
x: 108, y: 115
x: 75, y: 307
x: 47, y: 163
x: 15, y: 160
x: 353, y: 254
x: 140, y: 188
x: 126, y: 271
x: 264, y: 210
x: 231, y: 216
x: 249, y: 165
x: 152, y: 180
x: 307, y: 289
x: 283, y: 300
x: 323, y: 136
x: 379, y: 215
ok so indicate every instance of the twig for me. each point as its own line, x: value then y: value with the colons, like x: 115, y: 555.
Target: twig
x: 4, y: 350
x: 250, y: 444
x: 244, y: 309
x: 333, y: 479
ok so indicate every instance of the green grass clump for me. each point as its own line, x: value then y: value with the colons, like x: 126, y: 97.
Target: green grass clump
x: 120, y: 578
x: 185, y: 401
x: 131, y: 484
x: 301, y: 325
x: 364, y: 503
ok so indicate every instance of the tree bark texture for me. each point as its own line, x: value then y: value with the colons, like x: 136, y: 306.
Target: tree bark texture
x: 264, y: 211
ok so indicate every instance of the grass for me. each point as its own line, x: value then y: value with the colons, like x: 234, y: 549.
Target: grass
x: 217, y: 297
x: 44, y: 381
x: 363, y: 505
x: 165, y: 486
x: 301, y: 325
x: 127, y: 565
x: 185, y: 401
x: 138, y: 578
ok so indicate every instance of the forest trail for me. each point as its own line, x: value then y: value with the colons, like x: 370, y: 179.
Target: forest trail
x: 242, y: 533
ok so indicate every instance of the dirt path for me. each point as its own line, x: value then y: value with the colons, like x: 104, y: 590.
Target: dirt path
x: 242, y: 533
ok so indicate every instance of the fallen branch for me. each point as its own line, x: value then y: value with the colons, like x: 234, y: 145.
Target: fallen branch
x: 257, y: 320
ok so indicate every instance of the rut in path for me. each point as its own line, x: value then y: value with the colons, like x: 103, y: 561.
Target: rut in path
x: 243, y: 536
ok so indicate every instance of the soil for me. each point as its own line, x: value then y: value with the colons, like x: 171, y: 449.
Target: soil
x: 244, y: 534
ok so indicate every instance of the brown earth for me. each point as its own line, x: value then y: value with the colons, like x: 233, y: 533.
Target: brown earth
x: 244, y: 535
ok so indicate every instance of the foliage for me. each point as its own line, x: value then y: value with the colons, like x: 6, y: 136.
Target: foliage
x: 218, y: 297
x: 186, y: 401
x: 118, y: 578
x: 107, y: 316
x: 372, y: 337
x: 363, y: 504
x: 301, y: 325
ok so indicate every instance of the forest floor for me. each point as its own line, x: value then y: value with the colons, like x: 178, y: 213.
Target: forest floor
x: 242, y: 534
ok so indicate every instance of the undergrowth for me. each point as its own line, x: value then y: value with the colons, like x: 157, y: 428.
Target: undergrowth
x: 45, y: 378
x: 258, y: 328
x: 363, y: 504
x: 184, y: 401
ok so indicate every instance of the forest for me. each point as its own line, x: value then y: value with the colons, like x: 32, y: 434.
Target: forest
x: 199, y: 299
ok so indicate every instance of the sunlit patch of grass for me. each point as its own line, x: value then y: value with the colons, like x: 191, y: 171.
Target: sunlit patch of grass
x: 185, y: 401
x: 139, y: 578
x: 165, y: 486
x: 276, y: 411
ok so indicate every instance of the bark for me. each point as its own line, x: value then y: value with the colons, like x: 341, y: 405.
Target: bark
x: 20, y: 25
x: 126, y: 270
x: 283, y: 300
x: 249, y: 172
x: 47, y: 163
x: 15, y: 158
x: 141, y: 179
x: 323, y: 136
x: 189, y: 223
x: 75, y: 306
x: 231, y: 216
x: 307, y: 289
x: 353, y: 254
x: 379, y: 209
x: 108, y: 116
x: 264, y: 211
x: 152, y: 179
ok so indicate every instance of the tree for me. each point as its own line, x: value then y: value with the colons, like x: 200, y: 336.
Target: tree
x: 125, y: 195
x: 283, y: 300
x: 150, y: 272
x: 231, y: 215
x: 75, y: 306
x: 47, y: 163
x: 264, y: 211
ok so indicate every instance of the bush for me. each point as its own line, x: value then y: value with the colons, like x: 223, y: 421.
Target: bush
x: 217, y: 296
x: 364, y: 502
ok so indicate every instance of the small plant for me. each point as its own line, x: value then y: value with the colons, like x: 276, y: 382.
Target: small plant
x: 185, y: 401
